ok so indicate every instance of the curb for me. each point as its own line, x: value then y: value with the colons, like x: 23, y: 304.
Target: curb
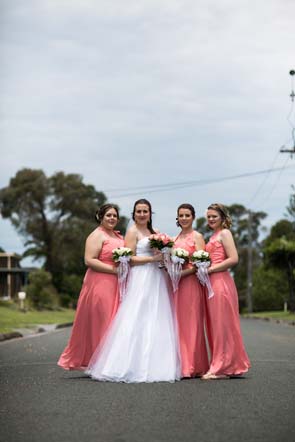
x: 12, y: 335
x: 16, y: 334
x: 66, y: 324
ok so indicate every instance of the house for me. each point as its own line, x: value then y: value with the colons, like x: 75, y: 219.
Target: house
x: 12, y: 276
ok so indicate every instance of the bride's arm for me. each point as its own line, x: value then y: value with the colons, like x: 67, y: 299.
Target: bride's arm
x: 131, y: 241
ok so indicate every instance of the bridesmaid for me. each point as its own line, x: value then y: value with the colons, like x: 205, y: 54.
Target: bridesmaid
x: 99, y: 296
x: 189, y: 300
x: 228, y: 355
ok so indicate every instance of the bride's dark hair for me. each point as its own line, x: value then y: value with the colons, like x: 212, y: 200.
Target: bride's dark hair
x: 147, y: 203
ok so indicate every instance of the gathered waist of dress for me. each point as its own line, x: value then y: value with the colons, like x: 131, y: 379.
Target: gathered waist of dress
x: 220, y: 271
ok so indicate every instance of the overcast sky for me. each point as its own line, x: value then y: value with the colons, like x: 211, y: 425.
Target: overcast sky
x: 134, y: 94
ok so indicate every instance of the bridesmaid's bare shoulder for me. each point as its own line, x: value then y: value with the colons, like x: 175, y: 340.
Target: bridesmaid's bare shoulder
x: 225, y: 234
x: 96, y: 235
x: 198, y: 235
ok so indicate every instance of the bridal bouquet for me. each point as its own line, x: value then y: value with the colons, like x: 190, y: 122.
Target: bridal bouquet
x: 160, y: 241
x: 122, y: 255
x: 164, y: 243
x: 202, y: 261
x: 178, y: 258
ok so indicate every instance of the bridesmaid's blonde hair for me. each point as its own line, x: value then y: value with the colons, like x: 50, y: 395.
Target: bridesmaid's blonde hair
x: 223, y: 212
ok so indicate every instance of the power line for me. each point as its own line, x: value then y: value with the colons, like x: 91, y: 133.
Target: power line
x: 264, y: 179
x: 276, y: 182
x: 179, y: 185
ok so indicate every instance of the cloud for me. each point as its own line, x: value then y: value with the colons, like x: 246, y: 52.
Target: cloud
x: 154, y: 91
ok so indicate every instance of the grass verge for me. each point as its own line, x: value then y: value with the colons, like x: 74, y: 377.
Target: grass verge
x: 11, y: 318
x: 282, y: 316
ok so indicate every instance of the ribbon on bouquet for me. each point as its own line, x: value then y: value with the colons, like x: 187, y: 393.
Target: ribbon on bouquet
x: 123, y: 270
x: 203, y: 276
x: 174, y: 270
x: 166, y: 251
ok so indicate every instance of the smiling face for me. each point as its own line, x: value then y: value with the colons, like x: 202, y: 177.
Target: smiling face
x: 214, y: 219
x: 142, y: 214
x: 110, y: 219
x: 185, y: 218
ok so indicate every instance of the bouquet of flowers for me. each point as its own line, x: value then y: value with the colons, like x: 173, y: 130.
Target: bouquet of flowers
x: 202, y: 261
x: 160, y: 241
x: 164, y: 243
x: 178, y: 258
x: 122, y: 255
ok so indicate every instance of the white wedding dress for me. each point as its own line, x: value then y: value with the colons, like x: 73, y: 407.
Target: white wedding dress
x: 141, y: 344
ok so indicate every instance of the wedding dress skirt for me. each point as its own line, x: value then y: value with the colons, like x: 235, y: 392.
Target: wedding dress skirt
x: 141, y: 344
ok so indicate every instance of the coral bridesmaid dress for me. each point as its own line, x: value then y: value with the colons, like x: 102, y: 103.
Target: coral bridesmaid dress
x: 97, y: 305
x: 228, y: 355
x: 190, y: 312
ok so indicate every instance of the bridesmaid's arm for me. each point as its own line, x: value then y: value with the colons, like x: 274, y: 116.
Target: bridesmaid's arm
x: 131, y: 241
x: 199, y: 241
x: 93, y: 248
x: 232, y: 259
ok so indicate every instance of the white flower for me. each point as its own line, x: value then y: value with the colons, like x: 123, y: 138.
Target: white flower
x: 181, y: 253
x: 200, y: 255
x: 121, y: 251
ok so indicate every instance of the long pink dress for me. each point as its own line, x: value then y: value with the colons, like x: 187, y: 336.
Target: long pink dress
x: 97, y: 305
x: 228, y: 354
x: 190, y: 313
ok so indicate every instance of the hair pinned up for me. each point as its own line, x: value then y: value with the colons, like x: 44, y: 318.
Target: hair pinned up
x: 100, y: 213
x: 185, y: 206
x: 223, y: 212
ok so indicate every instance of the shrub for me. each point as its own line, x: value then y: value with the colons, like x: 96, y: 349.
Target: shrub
x: 71, y: 286
x: 40, y: 291
x: 270, y: 289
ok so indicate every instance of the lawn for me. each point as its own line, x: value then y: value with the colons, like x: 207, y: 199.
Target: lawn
x: 12, y: 318
x: 283, y: 316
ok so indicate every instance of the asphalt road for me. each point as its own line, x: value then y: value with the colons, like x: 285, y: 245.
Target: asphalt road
x: 41, y: 402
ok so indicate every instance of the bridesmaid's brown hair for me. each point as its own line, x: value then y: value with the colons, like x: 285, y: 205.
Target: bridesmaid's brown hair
x: 185, y: 206
x: 100, y: 213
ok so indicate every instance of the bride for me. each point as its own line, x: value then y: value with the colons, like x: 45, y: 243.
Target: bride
x: 141, y: 344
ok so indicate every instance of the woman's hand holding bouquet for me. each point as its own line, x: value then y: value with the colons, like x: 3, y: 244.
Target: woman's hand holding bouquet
x: 201, y: 259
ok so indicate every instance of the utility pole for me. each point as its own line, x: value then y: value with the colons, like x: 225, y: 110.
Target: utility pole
x: 250, y: 265
x: 291, y: 150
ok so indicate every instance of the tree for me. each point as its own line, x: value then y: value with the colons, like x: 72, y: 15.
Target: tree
x: 270, y: 289
x: 291, y: 207
x: 41, y: 293
x: 282, y: 228
x: 281, y: 254
x: 54, y: 215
